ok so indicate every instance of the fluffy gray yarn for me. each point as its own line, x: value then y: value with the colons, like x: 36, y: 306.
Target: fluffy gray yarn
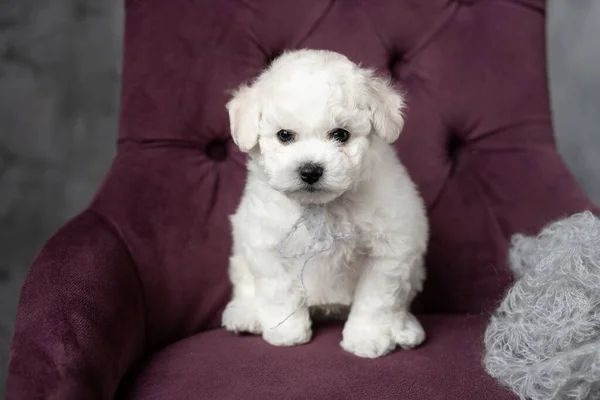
x: 543, y: 342
x: 322, y: 239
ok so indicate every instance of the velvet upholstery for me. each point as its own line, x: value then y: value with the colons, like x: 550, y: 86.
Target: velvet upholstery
x: 128, y: 295
x: 217, y: 365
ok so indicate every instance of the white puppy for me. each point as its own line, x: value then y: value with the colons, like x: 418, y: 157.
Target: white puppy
x: 318, y: 129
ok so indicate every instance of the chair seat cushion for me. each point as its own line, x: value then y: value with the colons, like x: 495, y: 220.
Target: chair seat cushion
x: 219, y: 365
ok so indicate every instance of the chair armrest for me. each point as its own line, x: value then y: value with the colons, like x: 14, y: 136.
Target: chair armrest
x: 80, y: 319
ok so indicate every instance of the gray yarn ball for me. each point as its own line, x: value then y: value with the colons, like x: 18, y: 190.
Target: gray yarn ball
x: 543, y: 342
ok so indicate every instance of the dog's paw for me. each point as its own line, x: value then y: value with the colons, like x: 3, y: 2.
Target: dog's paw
x: 240, y: 316
x: 292, y: 332
x: 408, y: 332
x: 368, y: 341
x: 372, y: 338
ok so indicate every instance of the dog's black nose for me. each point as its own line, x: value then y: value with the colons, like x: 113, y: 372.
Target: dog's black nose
x: 310, y: 173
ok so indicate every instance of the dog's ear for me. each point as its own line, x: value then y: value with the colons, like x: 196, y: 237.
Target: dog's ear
x: 244, y: 116
x: 386, y: 106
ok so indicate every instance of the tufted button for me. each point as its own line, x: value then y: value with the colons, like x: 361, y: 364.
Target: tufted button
x: 216, y: 150
x: 394, y: 62
x: 272, y: 56
x: 454, y: 145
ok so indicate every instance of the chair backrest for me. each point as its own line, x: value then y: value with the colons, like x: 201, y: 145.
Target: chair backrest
x: 478, y: 138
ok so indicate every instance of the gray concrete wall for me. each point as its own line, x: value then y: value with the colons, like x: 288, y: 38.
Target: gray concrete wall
x: 574, y: 68
x: 59, y: 84
x: 59, y: 89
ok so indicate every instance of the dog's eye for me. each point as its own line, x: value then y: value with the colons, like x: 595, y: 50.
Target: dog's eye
x: 285, y: 136
x: 341, y: 135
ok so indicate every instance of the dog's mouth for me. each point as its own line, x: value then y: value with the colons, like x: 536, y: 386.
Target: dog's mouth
x: 317, y: 193
x: 312, y: 194
x: 309, y: 189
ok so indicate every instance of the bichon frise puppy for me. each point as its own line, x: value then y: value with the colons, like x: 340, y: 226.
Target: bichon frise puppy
x: 317, y: 129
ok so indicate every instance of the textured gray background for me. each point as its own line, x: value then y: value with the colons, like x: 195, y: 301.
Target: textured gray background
x: 59, y: 91
x: 59, y: 86
x: 574, y: 68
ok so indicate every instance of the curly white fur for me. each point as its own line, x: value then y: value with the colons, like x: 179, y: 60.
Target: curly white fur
x: 543, y: 342
x: 364, y: 191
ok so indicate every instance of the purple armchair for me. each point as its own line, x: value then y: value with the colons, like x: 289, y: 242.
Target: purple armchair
x: 125, y: 300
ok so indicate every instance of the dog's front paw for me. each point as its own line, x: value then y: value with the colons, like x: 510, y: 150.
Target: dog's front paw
x: 292, y: 332
x: 376, y: 337
x: 408, y: 332
x: 367, y: 340
x: 240, y: 316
